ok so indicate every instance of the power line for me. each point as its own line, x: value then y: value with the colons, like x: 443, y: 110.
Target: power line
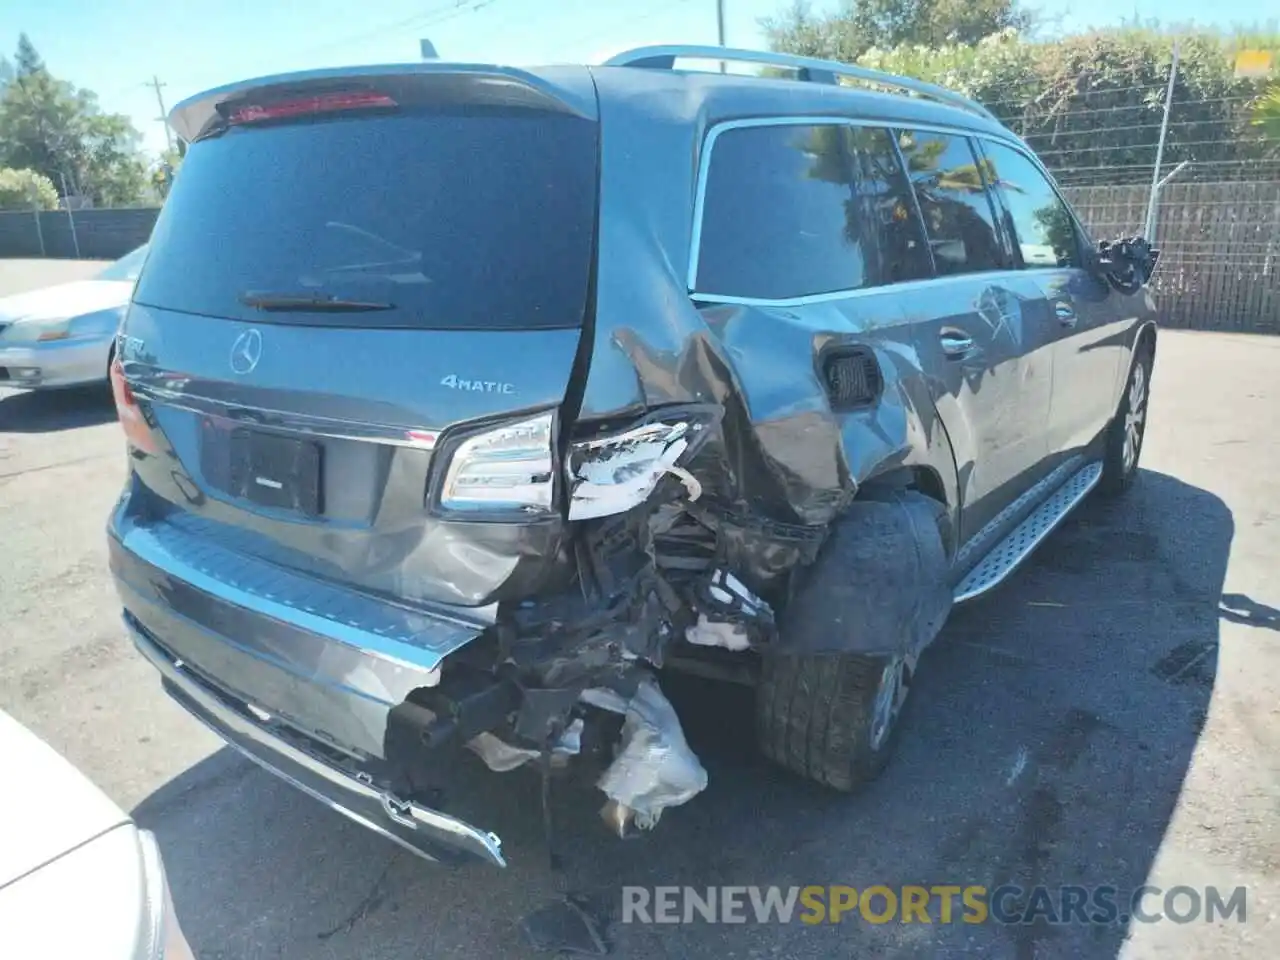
x: 414, y: 21
x: 624, y: 22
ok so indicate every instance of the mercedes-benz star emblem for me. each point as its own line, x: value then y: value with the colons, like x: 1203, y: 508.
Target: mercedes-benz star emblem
x: 246, y: 352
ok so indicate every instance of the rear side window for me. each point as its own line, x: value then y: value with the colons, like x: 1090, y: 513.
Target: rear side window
x: 1040, y: 223
x: 449, y: 221
x: 953, y: 200
x: 801, y: 210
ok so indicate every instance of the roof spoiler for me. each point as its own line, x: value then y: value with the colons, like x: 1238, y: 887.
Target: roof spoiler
x: 436, y: 82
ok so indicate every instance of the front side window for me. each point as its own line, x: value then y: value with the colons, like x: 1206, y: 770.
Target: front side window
x: 1040, y: 223
x: 950, y: 189
x: 801, y: 210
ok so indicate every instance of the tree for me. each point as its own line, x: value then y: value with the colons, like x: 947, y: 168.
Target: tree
x: 860, y: 25
x: 163, y: 172
x: 1266, y: 116
x: 50, y: 126
x: 28, y: 61
x: 1090, y: 104
x: 24, y: 189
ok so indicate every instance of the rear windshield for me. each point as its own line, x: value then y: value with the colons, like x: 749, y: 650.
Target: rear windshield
x: 444, y: 221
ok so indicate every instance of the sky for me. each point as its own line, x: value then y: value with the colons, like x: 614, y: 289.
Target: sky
x: 116, y: 47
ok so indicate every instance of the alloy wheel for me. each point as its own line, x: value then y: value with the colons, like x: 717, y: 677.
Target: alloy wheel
x: 1134, y: 416
x: 891, y: 695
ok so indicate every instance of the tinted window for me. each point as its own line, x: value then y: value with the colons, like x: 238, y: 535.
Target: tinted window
x: 791, y: 211
x: 880, y: 216
x: 484, y: 220
x: 1039, y: 221
x: 953, y: 201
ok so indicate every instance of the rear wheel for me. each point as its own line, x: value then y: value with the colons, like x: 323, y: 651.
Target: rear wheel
x: 1128, y: 429
x: 832, y: 718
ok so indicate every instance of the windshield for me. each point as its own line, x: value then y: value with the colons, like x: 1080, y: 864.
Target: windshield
x: 127, y: 267
x: 424, y: 219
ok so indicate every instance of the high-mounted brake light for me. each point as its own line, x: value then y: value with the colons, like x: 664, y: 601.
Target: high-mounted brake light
x: 321, y: 103
x: 135, y: 427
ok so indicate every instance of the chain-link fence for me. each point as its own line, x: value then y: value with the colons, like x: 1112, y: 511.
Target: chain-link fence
x: 90, y: 234
x: 1219, y: 248
x: 1217, y: 222
x: 1217, y: 215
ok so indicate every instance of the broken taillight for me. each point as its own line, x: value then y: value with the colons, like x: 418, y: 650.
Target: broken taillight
x: 320, y: 103
x: 612, y: 474
x: 135, y: 427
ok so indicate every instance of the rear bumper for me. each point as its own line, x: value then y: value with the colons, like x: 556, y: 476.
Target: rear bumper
x: 428, y: 833
x: 331, y: 662
x: 300, y: 676
x: 58, y: 363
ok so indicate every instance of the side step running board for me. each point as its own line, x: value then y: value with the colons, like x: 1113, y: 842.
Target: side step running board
x: 1005, y: 556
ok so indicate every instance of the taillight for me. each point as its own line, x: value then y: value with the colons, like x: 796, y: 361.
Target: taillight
x: 321, y: 103
x: 508, y: 468
x: 135, y: 427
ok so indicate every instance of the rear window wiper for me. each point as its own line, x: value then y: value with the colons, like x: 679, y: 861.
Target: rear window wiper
x: 310, y: 303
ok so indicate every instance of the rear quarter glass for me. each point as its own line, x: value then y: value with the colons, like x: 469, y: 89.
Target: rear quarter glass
x: 484, y: 220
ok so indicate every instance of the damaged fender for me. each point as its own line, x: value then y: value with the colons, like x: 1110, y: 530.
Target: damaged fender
x: 880, y: 585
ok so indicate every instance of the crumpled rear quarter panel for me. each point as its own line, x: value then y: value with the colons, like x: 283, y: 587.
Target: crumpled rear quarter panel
x: 783, y: 454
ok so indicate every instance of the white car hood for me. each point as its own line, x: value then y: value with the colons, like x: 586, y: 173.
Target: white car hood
x: 65, y: 300
x: 47, y: 806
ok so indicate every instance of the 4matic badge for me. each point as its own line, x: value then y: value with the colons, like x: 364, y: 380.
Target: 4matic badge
x: 454, y: 382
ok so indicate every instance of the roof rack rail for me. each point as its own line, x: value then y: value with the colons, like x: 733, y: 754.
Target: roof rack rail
x: 663, y: 57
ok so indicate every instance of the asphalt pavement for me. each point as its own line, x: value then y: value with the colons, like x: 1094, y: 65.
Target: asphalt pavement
x: 1109, y: 717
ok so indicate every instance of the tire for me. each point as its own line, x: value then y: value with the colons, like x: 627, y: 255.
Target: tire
x: 817, y: 716
x: 1124, y: 437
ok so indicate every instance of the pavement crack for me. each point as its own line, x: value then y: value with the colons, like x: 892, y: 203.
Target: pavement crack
x: 53, y: 466
x: 370, y: 902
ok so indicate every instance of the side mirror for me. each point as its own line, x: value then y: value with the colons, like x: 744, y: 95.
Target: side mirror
x: 1127, y: 263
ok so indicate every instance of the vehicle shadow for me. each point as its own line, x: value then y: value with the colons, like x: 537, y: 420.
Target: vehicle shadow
x: 48, y: 411
x: 1047, y: 741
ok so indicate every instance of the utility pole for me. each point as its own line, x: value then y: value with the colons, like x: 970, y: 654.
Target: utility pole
x: 1150, y: 225
x: 720, y: 27
x: 71, y: 221
x: 164, y: 117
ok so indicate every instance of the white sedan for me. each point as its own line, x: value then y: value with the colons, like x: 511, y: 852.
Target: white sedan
x: 77, y: 876
x: 61, y: 336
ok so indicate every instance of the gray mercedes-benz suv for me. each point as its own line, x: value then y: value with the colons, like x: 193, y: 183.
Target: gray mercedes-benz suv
x: 463, y: 400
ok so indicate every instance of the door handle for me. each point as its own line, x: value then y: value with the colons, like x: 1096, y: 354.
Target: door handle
x: 955, y: 343
x: 1065, y: 313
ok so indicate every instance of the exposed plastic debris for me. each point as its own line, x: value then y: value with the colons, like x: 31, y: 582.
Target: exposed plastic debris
x: 729, y: 590
x: 710, y: 633
x: 654, y: 767
x: 500, y: 756
x: 613, y: 474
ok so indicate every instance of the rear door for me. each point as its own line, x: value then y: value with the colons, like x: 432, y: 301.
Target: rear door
x: 358, y: 324
x: 977, y: 330
x: 1081, y: 320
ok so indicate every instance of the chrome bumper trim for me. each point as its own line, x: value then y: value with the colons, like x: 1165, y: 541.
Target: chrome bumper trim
x: 421, y: 830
